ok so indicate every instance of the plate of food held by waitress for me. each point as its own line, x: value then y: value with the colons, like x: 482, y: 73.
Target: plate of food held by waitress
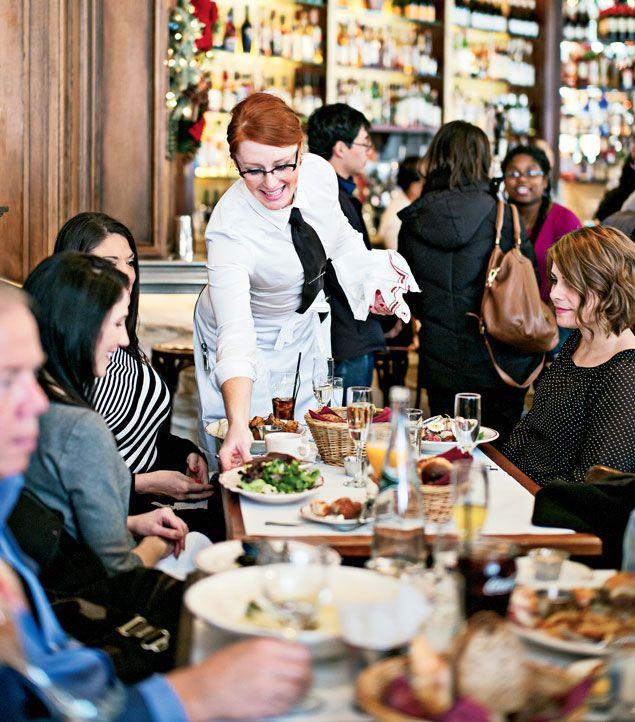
x: 263, y: 317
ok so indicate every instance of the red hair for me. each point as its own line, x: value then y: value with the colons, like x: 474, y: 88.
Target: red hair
x: 263, y: 118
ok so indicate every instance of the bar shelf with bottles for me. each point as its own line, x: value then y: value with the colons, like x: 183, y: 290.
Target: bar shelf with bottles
x: 385, y: 62
x: 259, y: 45
x: 597, y: 90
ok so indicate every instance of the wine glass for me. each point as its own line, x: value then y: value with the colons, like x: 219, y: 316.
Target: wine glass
x: 106, y: 706
x: 467, y: 420
x: 338, y: 391
x: 415, y: 428
x: 470, y: 494
x: 294, y: 582
x: 322, y: 380
x: 359, y: 414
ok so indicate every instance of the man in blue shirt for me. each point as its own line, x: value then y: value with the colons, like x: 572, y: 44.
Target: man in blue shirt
x: 247, y: 680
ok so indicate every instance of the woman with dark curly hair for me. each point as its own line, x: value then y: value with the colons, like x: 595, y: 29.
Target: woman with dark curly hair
x: 583, y: 412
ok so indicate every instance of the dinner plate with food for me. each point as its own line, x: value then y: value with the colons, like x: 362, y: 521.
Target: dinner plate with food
x: 582, y: 621
x: 274, y: 479
x: 234, y: 601
x: 343, y: 513
x: 437, y: 435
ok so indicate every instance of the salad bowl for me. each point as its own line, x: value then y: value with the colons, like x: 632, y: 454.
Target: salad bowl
x: 234, y: 481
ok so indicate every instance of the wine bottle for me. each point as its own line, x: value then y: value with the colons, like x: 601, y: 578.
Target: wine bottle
x: 229, y: 43
x: 247, y: 32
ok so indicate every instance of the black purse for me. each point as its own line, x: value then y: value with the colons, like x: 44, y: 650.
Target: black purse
x: 133, y: 616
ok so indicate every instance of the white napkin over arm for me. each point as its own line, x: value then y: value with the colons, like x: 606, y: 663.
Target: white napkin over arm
x: 361, y: 275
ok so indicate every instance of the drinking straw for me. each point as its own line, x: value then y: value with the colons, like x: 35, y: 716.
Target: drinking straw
x: 296, y: 380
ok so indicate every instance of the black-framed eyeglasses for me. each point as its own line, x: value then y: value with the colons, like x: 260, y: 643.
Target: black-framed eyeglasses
x: 368, y: 146
x: 278, y: 171
x: 531, y: 173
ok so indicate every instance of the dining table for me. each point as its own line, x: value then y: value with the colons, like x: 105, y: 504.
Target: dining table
x: 511, y: 501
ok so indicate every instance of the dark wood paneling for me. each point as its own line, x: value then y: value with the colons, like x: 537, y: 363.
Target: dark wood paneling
x: 82, y: 121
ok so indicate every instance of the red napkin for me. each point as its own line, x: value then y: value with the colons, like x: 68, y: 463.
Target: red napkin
x: 382, y: 416
x: 326, y: 414
x: 453, y: 454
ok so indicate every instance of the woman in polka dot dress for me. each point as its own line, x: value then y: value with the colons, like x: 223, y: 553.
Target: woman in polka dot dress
x: 584, y: 408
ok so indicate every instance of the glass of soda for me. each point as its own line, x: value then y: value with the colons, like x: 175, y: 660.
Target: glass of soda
x: 282, y: 401
x: 488, y: 568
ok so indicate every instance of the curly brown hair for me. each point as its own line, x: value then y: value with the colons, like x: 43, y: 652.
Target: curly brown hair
x: 600, y: 261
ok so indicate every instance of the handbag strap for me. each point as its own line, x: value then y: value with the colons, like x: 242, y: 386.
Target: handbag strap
x: 516, y: 222
x: 500, y: 215
x: 506, y: 377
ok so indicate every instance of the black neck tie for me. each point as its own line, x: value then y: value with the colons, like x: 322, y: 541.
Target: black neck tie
x: 310, y: 251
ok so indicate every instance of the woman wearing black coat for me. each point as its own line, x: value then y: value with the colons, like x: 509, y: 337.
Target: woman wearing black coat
x: 447, y: 236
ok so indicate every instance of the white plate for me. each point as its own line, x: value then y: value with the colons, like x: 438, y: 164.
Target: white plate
x: 439, y: 447
x: 231, y: 479
x: 221, y: 600
x: 331, y: 519
x: 542, y: 639
x: 221, y: 557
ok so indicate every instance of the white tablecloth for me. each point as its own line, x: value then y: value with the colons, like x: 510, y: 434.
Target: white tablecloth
x: 510, y: 508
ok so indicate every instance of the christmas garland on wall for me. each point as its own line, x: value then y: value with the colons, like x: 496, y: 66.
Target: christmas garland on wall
x: 190, y: 40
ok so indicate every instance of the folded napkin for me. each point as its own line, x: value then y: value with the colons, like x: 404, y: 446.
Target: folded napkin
x: 327, y: 414
x: 451, y: 455
x: 384, y: 271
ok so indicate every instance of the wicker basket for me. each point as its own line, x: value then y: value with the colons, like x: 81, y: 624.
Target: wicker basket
x: 437, y: 502
x: 332, y: 439
x: 370, y: 687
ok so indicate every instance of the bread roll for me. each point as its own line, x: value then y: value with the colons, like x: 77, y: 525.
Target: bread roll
x: 430, y: 677
x: 433, y: 468
x: 320, y: 508
x: 490, y: 664
x: 346, y: 507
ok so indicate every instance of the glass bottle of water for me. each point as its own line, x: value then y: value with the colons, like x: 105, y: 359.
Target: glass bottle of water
x: 399, y: 543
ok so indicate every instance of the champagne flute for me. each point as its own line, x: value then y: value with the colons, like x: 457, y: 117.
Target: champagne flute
x: 467, y: 420
x: 470, y: 490
x: 323, y: 380
x: 359, y: 415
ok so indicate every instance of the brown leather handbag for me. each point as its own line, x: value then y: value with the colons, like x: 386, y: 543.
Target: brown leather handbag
x: 512, y: 311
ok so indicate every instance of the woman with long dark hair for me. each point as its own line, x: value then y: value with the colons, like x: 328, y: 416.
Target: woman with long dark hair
x: 81, y: 307
x: 131, y: 396
x: 447, y: 236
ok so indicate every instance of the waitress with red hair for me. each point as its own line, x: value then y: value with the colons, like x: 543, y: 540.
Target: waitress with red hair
x: 268, y: 241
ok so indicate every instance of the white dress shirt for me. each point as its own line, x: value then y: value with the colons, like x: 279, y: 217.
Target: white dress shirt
x: 245, y: 322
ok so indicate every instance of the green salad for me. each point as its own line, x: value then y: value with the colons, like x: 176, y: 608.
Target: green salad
x: 277, y: 476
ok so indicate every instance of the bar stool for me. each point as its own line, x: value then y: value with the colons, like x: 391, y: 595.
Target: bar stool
x: 169, y: 359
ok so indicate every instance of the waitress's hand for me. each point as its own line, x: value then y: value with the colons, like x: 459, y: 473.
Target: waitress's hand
x: 235, y: 449
x: 379, y: 307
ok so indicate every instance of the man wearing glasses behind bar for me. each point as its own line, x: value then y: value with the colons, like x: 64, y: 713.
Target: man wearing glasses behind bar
x: 339, y: 134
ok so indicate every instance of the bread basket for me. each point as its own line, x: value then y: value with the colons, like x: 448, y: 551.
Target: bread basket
x: 437, y: 502
x: 370, y: 687
x: 331, y: 438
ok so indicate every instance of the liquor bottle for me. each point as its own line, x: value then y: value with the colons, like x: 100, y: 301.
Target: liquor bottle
x: 247, y: 32
x: 229, y: 43
x: 399, y: 543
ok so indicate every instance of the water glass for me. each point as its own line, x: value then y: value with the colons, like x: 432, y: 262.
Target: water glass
x: 470, y: 498
x: 322, y: 380
x: 467, y: 420
x: 359, y: 415
x: 337, y: 399
x: 282, y: 384
x: 415, y: 429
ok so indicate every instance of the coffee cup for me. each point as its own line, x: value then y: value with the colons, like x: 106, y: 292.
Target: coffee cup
x: 286, y: 442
